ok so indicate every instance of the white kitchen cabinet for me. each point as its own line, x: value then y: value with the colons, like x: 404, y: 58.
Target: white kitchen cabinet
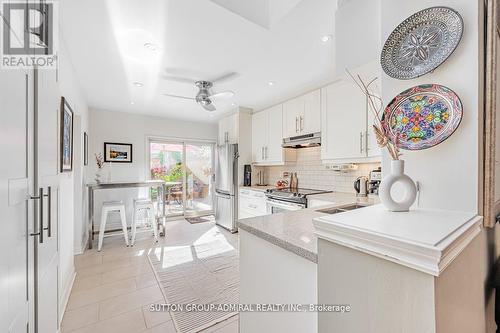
x: 228, y: 129
x: 267, y: 138
x: 346, y: 134
x: 259, y: 136
x: 311, y: 119
x: 302, y: 115
x: 251, y: 203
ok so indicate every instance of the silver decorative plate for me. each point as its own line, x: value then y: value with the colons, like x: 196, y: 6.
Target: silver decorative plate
x: 421, y: 43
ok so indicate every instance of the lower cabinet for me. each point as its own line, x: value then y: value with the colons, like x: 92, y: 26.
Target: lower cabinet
x: 251, y: 203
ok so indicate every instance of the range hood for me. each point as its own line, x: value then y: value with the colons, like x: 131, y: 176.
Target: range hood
x: 303, y: 141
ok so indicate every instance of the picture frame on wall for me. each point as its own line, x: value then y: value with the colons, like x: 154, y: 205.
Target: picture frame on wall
x: 66, y: 140
x: 117, y: 152
x: 85, y: 148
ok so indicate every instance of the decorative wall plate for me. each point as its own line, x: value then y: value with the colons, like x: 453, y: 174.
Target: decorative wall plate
x: 421, y: 43
x: 422, y: 117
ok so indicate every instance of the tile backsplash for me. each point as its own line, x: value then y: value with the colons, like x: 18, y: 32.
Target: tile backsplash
x: 313, y: 174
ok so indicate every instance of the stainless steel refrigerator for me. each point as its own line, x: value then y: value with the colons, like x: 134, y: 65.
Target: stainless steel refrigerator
x: 226, y: 186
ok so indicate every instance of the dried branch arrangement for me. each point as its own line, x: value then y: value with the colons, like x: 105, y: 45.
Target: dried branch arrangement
x: 376, y: 106
x: 99, y: 160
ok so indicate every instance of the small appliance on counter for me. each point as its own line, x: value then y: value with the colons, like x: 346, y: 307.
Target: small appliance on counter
x: 374, y: 181
x: 294, y: 181
x: 361, y: 186
x: 262, y: 178
x: 247, y: 175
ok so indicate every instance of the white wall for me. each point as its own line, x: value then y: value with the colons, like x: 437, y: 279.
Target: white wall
x: 448, y: 173
x: 70, y: 183
x: 108, y: 126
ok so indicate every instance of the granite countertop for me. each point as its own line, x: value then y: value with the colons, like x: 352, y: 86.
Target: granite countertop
x: 294, y: 230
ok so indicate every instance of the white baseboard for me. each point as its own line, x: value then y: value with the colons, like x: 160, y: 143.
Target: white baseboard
x: 65, y: 296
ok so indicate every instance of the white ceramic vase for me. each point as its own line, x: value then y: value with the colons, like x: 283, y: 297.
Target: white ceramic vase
x: 397, y: 175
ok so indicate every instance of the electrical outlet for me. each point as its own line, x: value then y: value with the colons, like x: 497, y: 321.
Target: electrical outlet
x: 286, y: 174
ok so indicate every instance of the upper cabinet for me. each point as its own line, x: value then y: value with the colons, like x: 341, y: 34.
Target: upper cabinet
x: 302, y: 115
x: 347, y: 135
x: 267, y: 137
x: 228, y: 129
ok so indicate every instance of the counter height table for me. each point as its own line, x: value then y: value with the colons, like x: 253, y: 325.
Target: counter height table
x: 159, y: 184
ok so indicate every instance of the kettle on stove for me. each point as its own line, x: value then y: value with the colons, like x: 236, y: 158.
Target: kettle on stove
x: 361, y: 186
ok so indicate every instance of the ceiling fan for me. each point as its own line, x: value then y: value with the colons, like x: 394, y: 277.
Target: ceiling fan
x: 204, y: 97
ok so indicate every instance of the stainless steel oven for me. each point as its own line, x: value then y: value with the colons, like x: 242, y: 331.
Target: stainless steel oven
x: 277, y: 206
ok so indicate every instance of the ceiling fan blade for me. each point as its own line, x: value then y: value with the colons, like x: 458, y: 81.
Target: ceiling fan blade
x: 222, y: 94
x: 226, y: 77
x: 177, y: 96
x: 178, y: 79
x: 208, y: 107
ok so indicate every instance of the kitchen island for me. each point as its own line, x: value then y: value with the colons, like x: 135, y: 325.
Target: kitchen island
x: 278, y: 265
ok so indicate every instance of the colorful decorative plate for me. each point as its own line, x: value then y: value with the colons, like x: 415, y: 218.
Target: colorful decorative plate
x: 422, y: 117
x: 421, y: 43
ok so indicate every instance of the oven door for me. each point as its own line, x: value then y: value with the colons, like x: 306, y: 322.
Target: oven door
x: 278, y: 206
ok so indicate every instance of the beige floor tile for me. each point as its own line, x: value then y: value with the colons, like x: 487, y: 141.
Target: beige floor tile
x: 127, y: 272
x: 80, y: 317
x: 155, y: 318
x: 167, y: 327
x: 83, y: 261
x: 87, y: 282
x: 123, y: 303
x: 105, y: 291
x: 146, y: 280
x: 130, y: 322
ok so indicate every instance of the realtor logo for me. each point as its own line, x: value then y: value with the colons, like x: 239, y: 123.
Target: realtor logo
x: 28, y: 36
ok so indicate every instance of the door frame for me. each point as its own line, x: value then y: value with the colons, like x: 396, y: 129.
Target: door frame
x: 183, y: 142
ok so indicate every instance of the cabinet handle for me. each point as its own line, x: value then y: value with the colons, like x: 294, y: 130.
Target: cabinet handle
x: 301, y: 123
x: 262, y: 152
x: 40, y: 218
x: 366, y: 142
x: 296, y: 124
x: 266, y: 153
x: 361, y: 142
x: 49, y: 213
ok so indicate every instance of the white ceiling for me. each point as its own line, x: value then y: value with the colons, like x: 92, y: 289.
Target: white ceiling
x: 276, y: 40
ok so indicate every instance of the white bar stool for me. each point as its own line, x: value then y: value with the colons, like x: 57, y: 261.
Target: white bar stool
x: 107, y: 207
x: 147, y: 205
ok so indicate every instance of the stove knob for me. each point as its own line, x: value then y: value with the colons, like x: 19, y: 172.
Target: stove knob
x: 295, y: 194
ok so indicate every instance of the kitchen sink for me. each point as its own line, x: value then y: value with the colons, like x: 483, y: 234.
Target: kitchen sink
x: 335, y: 210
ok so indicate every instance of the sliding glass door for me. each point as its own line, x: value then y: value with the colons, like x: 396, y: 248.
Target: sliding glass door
x: 187, y: 169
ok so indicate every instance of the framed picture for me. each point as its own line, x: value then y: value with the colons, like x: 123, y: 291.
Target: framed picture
x: 85, y: 148
x: 66, y: 132
x: 117, y: 152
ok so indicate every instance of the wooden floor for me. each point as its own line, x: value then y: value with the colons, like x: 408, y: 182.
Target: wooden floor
x: 114, y: 288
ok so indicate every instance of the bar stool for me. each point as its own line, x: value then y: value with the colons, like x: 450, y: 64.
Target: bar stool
x: 107, y: 207
x: 147, y: 205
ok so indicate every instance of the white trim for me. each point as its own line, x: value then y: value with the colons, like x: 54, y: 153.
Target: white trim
x: 65, y: 296
x: 422, y: 257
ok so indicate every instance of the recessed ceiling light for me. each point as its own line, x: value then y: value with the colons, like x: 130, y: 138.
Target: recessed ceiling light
x: 233, y: 104
x: 132, y: 103
x: 326, y: 38
x: 138, y: 84
x: 151, y: 46
x: 271, y: 83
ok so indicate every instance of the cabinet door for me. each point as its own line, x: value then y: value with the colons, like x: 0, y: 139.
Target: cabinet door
x: 292, y: 110
x: 232, y: 128
x: 222, y: 131
x: 345, y: 117
x: 311, y: 118
x: 273, y: 150
x: 259, y: 136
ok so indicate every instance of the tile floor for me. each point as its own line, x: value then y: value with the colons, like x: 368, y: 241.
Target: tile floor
x: 113, y: 288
